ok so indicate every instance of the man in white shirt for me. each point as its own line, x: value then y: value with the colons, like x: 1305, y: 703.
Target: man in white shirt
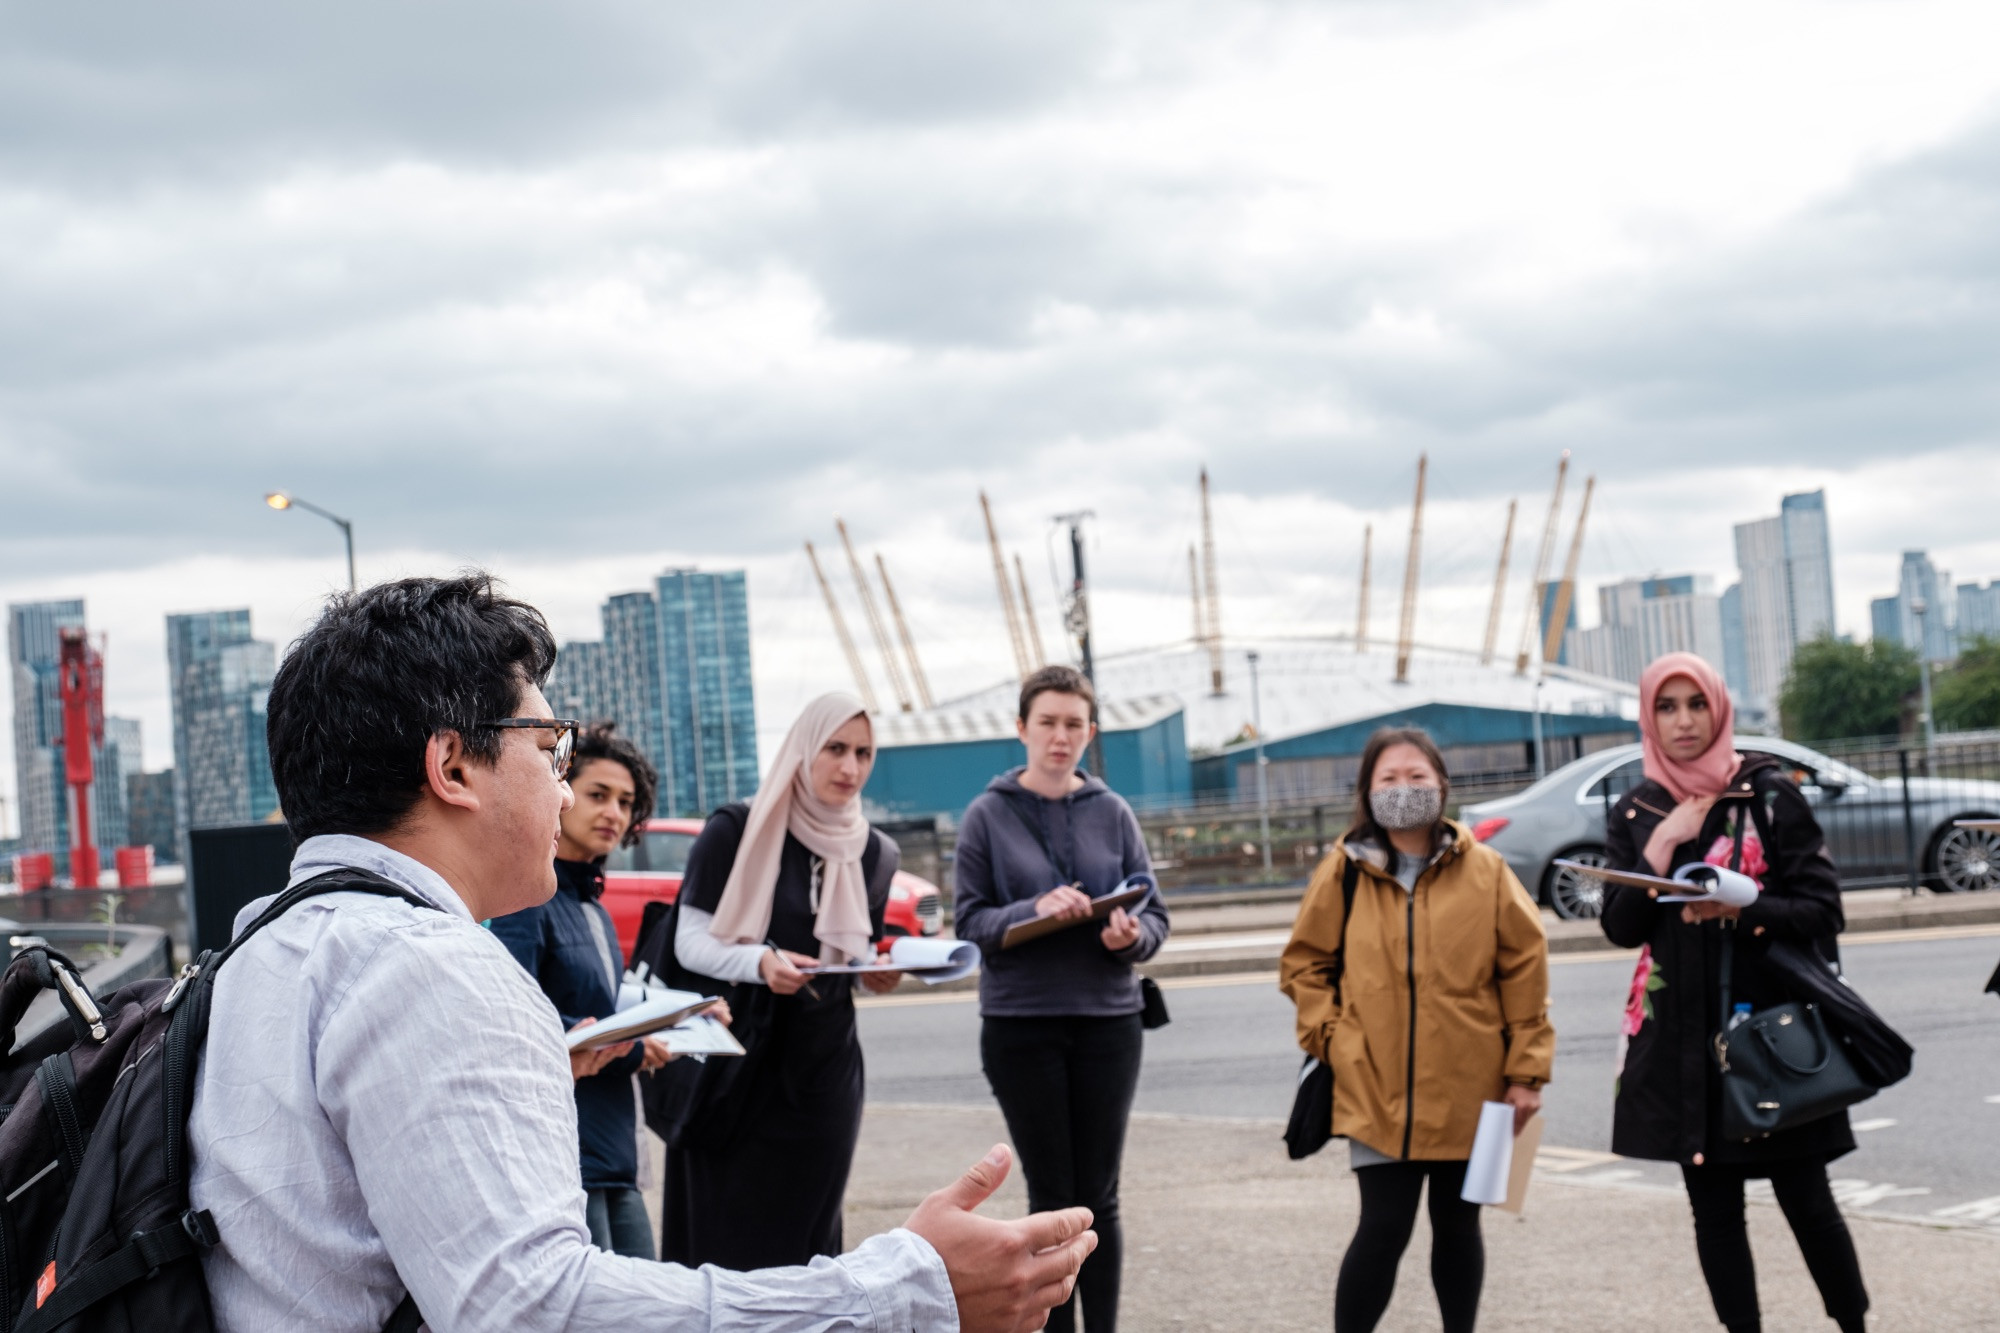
x: 384, y: 1102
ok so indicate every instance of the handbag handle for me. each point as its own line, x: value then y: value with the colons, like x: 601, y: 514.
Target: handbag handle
x: 1825, y: 1058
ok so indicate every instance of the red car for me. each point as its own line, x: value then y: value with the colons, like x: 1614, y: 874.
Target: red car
x: 651, y: 872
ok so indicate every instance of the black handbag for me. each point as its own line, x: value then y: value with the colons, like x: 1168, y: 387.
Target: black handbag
x: 1779, y: 1067
x: 1310, y: 1127
x: 1152, y: 1005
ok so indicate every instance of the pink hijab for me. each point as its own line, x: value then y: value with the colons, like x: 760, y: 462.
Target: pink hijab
x: 1704, y: 776
x: 837, y: 834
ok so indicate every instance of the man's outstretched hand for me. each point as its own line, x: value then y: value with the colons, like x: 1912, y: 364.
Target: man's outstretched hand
x: 1006, y: 1276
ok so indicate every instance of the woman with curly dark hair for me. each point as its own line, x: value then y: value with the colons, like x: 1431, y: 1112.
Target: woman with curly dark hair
x: 570, y: 946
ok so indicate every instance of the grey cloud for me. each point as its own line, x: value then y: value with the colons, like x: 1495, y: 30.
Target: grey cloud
x: 156, y: 382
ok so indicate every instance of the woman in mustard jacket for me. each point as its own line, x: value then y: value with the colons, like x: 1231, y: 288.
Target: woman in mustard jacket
x: 1442, y: 1004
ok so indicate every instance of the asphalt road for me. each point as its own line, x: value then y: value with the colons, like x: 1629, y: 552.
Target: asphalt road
x: 1929, y: 1148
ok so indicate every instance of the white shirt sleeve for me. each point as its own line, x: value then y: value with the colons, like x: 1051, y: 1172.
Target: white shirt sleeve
x: 699, y: 951
x: 442, y: 1069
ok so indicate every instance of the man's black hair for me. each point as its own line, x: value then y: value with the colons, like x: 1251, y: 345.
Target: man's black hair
x: 600, y: 740
x: 383, y: 670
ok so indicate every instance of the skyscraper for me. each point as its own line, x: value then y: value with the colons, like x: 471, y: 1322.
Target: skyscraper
x: 1978, y: 612
x: 1641, y: 619
x: 1895, y: 620
x: 1735, y: 666
x: 220, y: 681
x: 673, y: 670
x: 711, y: 723
x: 1786, y: 565
x: 33, y: 651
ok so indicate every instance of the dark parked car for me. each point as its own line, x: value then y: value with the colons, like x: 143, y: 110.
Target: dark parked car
x: 1871, y: 833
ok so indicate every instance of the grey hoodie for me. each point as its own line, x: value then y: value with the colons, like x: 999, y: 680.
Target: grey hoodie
x: 1001, y: 867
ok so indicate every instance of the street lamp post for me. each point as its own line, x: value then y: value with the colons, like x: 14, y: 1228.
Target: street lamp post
x: 1263, y: 764
x: 1918, y: 608
x: 280, y: 500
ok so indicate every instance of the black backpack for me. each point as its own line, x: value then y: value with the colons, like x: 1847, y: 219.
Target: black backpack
x: 96, y: 1231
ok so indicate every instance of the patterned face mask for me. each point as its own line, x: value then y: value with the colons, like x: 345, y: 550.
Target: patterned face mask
x: 1406, y: 807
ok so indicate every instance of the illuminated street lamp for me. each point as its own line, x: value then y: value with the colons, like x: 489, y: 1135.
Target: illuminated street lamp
x: 280, y: 500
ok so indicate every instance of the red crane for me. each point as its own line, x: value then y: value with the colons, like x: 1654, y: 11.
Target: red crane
x: 83, y: 729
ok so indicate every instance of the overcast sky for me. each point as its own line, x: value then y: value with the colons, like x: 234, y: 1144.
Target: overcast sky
x: 577, y: 291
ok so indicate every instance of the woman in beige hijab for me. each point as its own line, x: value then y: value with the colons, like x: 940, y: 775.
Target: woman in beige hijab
x: 757, y: 1174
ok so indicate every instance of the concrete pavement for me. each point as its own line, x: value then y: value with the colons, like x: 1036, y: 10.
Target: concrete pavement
x: 1223, y: 1232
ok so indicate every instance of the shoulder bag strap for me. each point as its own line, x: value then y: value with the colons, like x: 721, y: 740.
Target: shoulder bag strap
x: 1041, y: 837
x: 1729, y: 928
x: 1350, y: 875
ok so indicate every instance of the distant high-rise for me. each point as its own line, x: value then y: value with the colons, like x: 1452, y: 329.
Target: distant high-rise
x: 149, y: 814
x: 1978, y: 612
x: 33, y: 651
x: 1894, y: 619
x: 673, y: 670
x: 1547, y: 594
x: 705, y: 666
x: 1786, y: 564
x: 1735, y: 666
x: 1641, y: 619
x: 220, y: 681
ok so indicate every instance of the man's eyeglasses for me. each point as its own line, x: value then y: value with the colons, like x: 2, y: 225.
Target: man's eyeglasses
x: 565, y: 729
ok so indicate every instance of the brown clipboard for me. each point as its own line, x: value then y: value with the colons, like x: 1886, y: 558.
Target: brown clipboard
x: 1100, y: 908
x: 1631, y: 877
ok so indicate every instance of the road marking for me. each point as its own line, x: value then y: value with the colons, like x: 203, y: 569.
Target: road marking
x: 1869, y: 1126
x: 1993, y: 1101
x: 1861, y: 1194
x: 1979, y: 1210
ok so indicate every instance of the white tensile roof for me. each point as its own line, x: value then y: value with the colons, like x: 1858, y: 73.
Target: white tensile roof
x: 1306, y: 685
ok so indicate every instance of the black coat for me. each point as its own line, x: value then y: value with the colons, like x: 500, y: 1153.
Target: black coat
x: 557, y: 945
x: 1668, y: 1104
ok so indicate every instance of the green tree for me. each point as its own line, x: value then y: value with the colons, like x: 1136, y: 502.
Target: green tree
x: 1836, y: 690
x: 1967, y: 697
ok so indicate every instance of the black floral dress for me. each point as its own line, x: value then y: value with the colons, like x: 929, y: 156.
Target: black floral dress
x: 1668, y: 1105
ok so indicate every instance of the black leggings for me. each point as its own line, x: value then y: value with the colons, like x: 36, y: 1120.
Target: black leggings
x: 1065, y: 1086
x: 1716, y: 1194
x: 1388, y: 1216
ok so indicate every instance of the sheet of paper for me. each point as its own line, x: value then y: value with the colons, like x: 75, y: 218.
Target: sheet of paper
x: 1134, y: 890
x: 701, y: 1035
x: 1492, y: 1162
x: 933, y: 961
x: 1526, y: 1144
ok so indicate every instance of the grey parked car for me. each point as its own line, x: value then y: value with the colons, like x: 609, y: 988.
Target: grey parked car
x: 1864, y: 818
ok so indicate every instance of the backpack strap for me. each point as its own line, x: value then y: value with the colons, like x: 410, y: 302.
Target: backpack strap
x: 144, y: 1254
x: 185, y: 1036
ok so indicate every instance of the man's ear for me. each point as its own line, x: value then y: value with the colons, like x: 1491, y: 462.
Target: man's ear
x: 447, y: 770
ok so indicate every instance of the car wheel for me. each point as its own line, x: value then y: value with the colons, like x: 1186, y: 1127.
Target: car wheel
x: 1966, y: 860
x: 1575, y: 896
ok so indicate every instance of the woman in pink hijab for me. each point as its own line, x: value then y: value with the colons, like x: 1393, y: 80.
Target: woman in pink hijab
x: 1707, y: 797
x: 759, y: 1151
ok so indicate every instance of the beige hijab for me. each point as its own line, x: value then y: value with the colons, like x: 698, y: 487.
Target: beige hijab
x: 837, y: 834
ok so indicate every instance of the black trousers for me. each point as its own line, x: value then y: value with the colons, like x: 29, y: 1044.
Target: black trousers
x: 1716, y: 1195
x: 1388, y: 1215
x: 1065, y: 1086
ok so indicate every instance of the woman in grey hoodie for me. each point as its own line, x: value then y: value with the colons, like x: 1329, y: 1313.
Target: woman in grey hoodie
x: 1061, y: 1034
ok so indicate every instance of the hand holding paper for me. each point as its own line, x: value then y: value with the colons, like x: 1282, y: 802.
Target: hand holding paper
x: 1712, y: 884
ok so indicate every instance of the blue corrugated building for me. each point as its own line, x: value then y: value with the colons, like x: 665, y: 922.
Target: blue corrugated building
x: 935, y: 762
x: 1475, y: 740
